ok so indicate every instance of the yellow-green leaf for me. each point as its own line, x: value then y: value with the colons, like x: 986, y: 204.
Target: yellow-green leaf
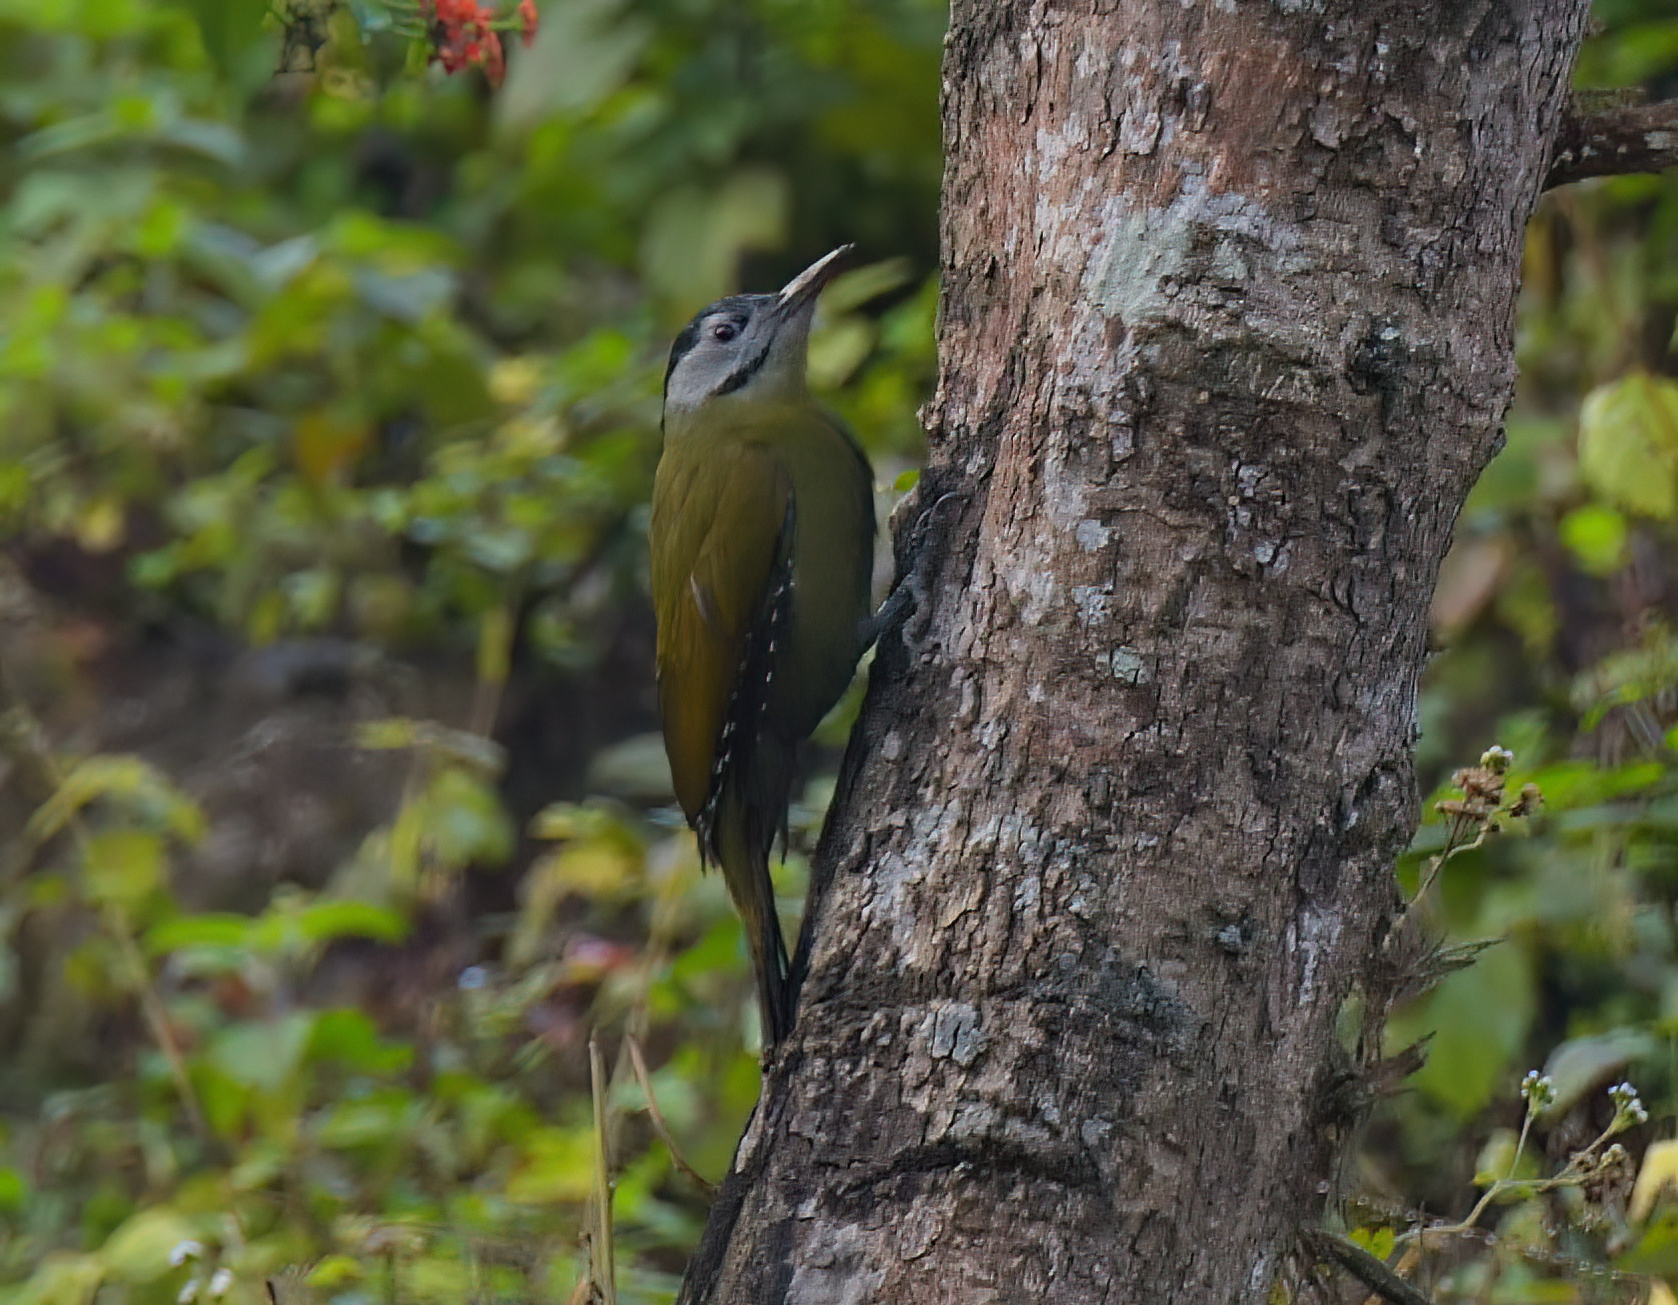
x: 1658, y: 1173
x: 558, y: 1165
x: 62, y: 1278
x: 123, y: 866
x: 1628, y: 443
x: 1596, y: 536
x: 1377, y: 1241
x: 138, y: 1251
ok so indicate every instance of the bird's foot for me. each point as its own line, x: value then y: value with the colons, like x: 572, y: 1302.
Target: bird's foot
x: 900, y: 602
x: 909, y: 596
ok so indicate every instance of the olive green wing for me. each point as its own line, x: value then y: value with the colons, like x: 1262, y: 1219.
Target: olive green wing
x: 719, y: 514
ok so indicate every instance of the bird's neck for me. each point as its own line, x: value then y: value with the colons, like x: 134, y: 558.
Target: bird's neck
x: 750, y: 414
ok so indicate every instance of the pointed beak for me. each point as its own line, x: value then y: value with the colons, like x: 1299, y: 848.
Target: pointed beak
x: 802, y: 290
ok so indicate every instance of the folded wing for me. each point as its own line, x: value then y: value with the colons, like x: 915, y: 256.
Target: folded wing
x: 719, y: 546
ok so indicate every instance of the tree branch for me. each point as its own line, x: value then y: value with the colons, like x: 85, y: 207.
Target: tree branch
x: 1363, y: 1266
x: 1612, y: 142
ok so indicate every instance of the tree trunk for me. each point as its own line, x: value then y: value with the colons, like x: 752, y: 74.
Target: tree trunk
x: 1226, y: 339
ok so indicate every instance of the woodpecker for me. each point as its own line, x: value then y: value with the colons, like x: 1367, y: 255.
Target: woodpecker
x: 762, y: 541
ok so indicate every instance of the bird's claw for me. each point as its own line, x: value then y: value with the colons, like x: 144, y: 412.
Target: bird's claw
x: 908, y: 596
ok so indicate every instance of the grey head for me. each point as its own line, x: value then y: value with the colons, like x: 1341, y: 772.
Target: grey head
x: 750, y: 346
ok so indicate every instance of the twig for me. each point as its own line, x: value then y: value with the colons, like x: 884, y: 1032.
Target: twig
x: 1406, y: 1263
x: 602, y: 1263
x: 1460, y: 825
x: 1580, y: 1166
x: 660, y: 934
x: 1614, y: 142
x: 23, y: 744
x: 157, y: 1019
x: 495, y: 647
x: 657, y: 1116
x: 1498, y: 1187
x: 1363, y: 1266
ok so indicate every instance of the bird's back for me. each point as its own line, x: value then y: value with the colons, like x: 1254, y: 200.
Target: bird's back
x: 833, y: 562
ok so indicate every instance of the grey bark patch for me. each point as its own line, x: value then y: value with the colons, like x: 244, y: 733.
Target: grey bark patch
x: 833, y: 1269
x: 956, y: 1033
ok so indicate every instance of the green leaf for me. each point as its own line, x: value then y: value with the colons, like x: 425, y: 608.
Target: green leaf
x: 225, y: 1100
x: 694, y: 238
x: 1628, y: 443
x: 1656, y: 1251
x: 851, y: 290
x: 1581, y: 1064
x: 351, y: 1038
x: 398, y: 732
x: 229, y: 28
x: 1377, y: 1241
x: 328, y: 921
x: 208, y: 930
x: 1575, y: 785
x: 1479, y: 1017
x: 583, y: 51
x: 1497, y: 1160
x: 62, y: 1278
x: 394, y: 732
x: 838, y: 349
x: 14, y: 486
x: 260, y: 1163
x: 558, y: 1165
x: 335, y: 1271
x: 128, y: 781
x: 123, y: 866
x: 292, y: 926
x: 14, y: 1190
x: 1597, y: 537
x: 466, y: 824
x: 138, y: 1251
x: 436, y: 1279
x: 263, y: 1054
x: 388, y: 1117
x: 638, y: 768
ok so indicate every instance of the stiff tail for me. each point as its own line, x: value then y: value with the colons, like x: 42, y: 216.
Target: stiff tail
x: 742, y: 849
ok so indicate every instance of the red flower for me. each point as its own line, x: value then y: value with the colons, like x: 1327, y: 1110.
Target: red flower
x: 527, y: 16
x: 462, y: 37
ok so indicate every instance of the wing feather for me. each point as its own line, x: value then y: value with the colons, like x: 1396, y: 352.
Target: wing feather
x: 714, y: 565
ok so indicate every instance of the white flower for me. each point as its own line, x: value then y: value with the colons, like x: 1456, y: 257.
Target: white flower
x: 1537, y: 1090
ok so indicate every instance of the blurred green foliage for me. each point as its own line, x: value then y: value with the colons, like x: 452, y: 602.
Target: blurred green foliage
x: 356, y: 351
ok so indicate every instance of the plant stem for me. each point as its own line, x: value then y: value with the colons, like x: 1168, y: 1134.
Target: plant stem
x: 657, y: 1116
x: 1576, y: 1172
x: 602, y: 1258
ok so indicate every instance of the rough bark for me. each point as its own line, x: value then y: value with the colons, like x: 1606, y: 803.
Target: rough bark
x: 1611, y: 142
x: 1226, y: 339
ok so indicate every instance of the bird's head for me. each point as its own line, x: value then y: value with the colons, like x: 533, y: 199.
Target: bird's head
x: 750, y: 346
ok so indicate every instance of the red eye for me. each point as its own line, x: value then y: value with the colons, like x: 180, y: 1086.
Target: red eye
x: 724, y: 331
